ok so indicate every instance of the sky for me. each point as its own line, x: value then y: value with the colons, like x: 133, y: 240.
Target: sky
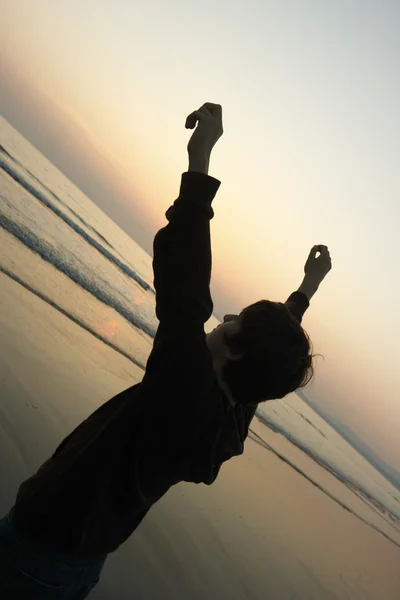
x: 310, y: 91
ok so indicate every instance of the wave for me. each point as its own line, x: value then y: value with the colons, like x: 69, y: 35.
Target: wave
x: 347, y: 480
x: 70, y: 316
x: 96, y: 286
x: 46, y: 198
x: 49, y: 254
x: 259, y: 440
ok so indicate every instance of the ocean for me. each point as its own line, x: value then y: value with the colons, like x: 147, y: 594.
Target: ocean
x: 65, y: 255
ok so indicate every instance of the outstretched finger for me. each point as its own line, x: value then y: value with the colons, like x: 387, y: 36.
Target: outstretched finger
x: 192, y: 119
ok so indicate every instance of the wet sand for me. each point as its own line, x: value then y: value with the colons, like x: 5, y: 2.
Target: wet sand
x: 262, y: 531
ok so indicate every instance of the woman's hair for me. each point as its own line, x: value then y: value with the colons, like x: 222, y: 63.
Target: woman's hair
x: 277, y: 354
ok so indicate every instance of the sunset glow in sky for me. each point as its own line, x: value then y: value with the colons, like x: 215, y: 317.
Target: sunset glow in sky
x: 311, y: 96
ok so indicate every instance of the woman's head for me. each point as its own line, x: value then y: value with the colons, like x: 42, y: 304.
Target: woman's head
x: 263, y: 353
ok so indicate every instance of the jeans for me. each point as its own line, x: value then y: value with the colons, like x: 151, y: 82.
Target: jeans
x: 30, y: 573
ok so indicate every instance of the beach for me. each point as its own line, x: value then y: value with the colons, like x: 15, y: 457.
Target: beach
x: 299, y: 516
x: 261, y: 531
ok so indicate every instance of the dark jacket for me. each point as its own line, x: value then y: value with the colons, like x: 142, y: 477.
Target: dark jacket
x: 176, y: 425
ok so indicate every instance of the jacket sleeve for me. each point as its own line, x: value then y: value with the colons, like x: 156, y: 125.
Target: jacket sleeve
x: 182, y: 255
x: 297, y: 304
x: 182, y: 273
